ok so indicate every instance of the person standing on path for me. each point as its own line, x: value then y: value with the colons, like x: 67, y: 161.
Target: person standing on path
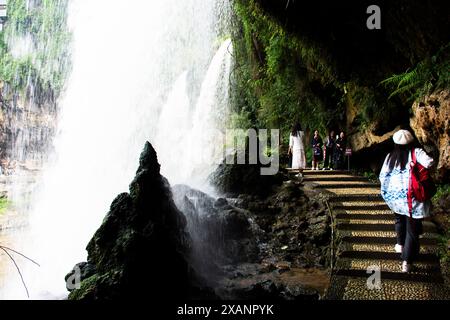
x: 297, y: 149
x: 329, y: 149
x: 394, y: 178
x: 339, y: 151
x: 316, y: 144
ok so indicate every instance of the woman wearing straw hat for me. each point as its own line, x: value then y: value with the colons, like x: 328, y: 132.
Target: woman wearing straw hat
x: 394, y: 178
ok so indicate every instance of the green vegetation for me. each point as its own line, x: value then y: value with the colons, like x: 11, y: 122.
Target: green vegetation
x: 371, y: 176
x: 87, y: 287
x: 444, y: 252
x: 273, y: 76
x: 429, y: 75
x: 368, y: 174
x: 440, y: 207
x: 34, y: 44
x: 281, y: 77
x: 370, y: 103
x: 4, y: 205
x: 443, y: 190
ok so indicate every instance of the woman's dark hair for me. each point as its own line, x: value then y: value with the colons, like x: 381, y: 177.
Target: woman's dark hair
x: 296, y: 128
x: 399, y: 155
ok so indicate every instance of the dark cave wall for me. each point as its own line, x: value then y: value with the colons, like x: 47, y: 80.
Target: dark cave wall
x: 318, y: 63
x: 410, y: 31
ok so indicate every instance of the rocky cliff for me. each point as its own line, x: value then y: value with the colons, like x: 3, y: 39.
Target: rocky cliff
x: 431, y: 123
x: 141, y: 249
x: 27, y: 126
x: 238, y: 248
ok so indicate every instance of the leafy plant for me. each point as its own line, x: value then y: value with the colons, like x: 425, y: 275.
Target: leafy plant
x: 267, y: 81
x: 443, y: 190
x: 429, y: 75
x: 443, y: 244
x: 440, y: 211
x: 371, y: 176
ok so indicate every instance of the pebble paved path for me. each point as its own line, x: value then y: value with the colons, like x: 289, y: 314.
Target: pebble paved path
x: 365, y: 237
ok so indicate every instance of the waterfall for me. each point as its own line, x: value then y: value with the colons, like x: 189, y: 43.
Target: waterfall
x: 141, y: 70
x: 195, y: 134
x: 207, y: 140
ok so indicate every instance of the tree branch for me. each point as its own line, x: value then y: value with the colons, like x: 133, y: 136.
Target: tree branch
x: 5, y: 249
x: 18, y: 270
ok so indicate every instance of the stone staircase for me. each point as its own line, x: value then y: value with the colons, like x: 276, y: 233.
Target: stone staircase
x: 365, y: 238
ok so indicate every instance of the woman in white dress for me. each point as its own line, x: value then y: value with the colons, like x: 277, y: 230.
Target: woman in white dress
x: 297, y: 149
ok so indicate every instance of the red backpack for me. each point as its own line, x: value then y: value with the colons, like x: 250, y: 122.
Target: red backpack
x: 421, y: 186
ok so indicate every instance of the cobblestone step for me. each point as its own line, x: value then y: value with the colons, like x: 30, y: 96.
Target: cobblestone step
x: 370, y: 255
x: 343, y: 191
x: 426, y: 267
x: 355, y: 197
x: 343, y: 178
x: 384, y: 240
x: 355, y: 288
x: 365, y: 233
x: 354, y: 185
x: 387, y: 215
x: 325, y: 172
x: 360, y: 206
x: 377, y: 247
x: 434, y: 277
x: 365, y: 221
x: 427, y: 227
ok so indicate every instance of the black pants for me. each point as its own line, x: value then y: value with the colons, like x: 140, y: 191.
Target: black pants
x: 408, y: 231
x: 328, y: 158
x: 339, y: 160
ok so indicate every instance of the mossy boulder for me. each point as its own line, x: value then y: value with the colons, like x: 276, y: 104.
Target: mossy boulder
x: 141, y: 248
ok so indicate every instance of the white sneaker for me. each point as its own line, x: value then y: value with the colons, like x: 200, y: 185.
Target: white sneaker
x: 406, y: 267
x: 323, y: 169
x: 331, y: 169
x: 398, y: 248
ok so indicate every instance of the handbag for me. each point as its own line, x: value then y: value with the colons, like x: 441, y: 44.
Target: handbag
x: 421, y: 185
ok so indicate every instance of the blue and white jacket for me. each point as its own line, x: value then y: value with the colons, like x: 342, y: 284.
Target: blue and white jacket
x: 395, y: 184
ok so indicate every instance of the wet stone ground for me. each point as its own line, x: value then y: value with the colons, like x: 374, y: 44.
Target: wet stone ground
x: 254, y: 247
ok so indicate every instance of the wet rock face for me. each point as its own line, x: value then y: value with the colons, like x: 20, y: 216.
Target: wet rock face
x: 431, y: 124
x: 221, y: 233
x: 26, y: 130
x: 296, y: 228
x: 257, y: 281
x: 254, y: 247
x: 141, y: 246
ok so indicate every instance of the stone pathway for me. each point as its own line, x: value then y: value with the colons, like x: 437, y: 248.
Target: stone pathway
x: 365, y: 238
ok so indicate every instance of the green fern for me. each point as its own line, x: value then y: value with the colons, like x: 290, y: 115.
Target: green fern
x: 429, y: 75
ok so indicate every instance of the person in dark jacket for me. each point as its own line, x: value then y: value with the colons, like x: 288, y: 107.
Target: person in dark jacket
x: 316, y: 144
x: 339, y: 152
x: 329, y: 150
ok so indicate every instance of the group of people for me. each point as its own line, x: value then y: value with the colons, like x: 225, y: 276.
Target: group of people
x: 395, y: 178
x: 331, y: 152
